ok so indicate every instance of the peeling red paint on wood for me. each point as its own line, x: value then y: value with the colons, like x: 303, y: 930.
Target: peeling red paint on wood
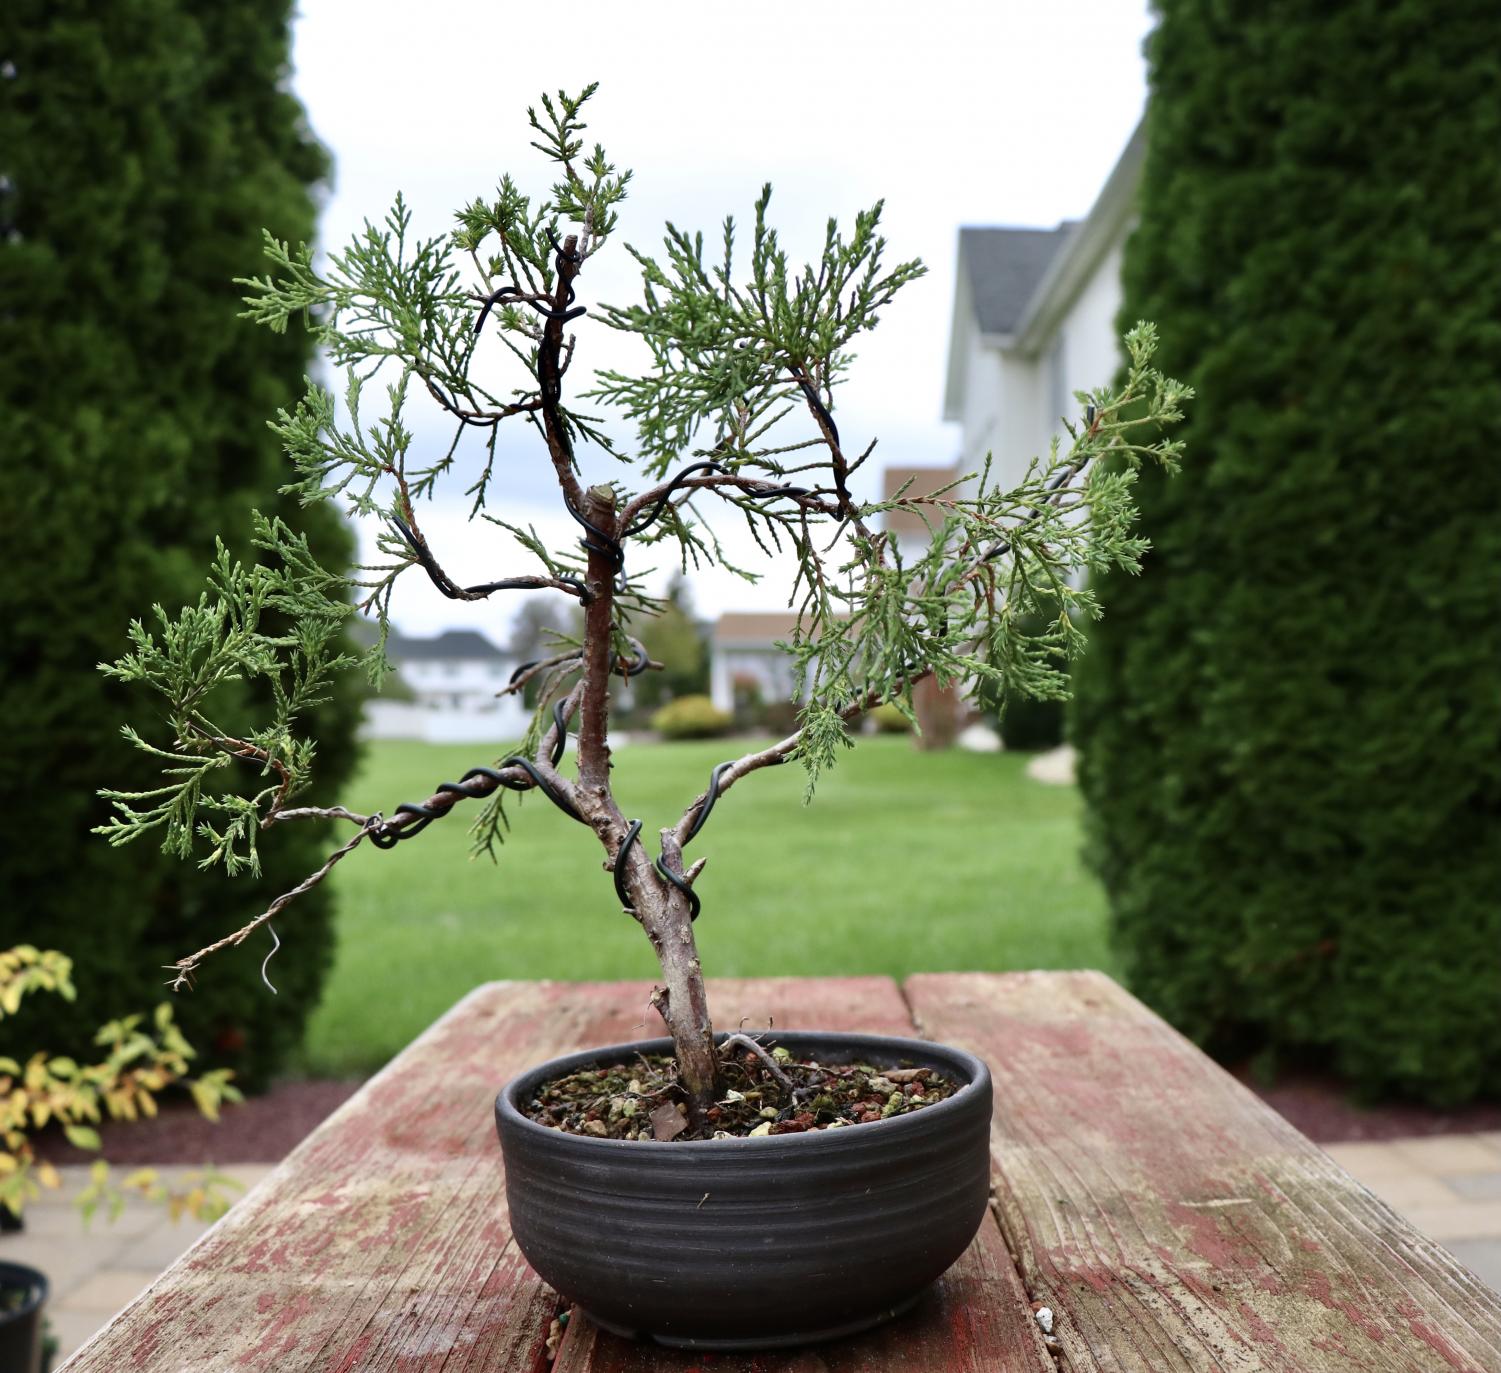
x: 1168, y: 1219
x: 1172, y: 1221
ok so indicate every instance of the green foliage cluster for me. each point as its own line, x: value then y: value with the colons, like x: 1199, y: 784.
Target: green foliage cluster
x: 143, y: 145
x: 691, y: 717
x: 1030, y: 724
x: 1291, y: 723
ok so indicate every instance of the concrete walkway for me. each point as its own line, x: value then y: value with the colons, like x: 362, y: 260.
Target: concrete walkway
x: 1447, y: 1185
x: 95, y: 1270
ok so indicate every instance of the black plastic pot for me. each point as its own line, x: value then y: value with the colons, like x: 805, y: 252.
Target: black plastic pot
x: 753, y: 1243
x: 23, y: 1293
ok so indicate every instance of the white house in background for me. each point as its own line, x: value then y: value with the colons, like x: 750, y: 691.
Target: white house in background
x: 1034, y: 321
x: 743, y: 646
x: 743, y: 650
x: 453, y: 679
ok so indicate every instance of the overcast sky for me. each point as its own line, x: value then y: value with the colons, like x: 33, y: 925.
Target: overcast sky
x: 1005, y: 112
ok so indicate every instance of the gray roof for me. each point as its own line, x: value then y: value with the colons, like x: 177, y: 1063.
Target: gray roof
x: 452, y: 644
x: 1004, y: 267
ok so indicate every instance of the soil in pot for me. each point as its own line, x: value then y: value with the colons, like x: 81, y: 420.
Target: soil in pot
x: 765, y: 1093
x: 23, y: 1292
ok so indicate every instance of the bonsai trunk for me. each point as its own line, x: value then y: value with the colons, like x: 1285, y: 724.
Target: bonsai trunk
x: 662, y: 909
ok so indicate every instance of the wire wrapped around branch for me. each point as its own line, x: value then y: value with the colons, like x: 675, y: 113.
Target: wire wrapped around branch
x: 387, y: 836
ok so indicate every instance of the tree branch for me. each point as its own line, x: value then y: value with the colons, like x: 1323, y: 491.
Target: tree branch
x: 486, y: 784
x: 550, y: 374
x: 184, y: 968
x: 756, y: 487
x: 417, y: 542
x: 479, y: 419
x: 728, y: 774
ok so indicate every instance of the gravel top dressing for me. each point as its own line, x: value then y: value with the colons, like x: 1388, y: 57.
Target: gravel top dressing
x: 765, y: 1093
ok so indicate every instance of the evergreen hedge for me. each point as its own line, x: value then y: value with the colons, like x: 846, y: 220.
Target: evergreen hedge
x: 1291, y: 722
x: 144, y: 144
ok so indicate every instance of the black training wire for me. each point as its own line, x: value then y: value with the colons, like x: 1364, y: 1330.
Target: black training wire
x: 694, y: 904
x: 464, y: 788
x: 631, y: 835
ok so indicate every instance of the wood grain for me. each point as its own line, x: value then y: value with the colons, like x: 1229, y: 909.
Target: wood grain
x: 1171, y: 1220
x: 382, y: 1242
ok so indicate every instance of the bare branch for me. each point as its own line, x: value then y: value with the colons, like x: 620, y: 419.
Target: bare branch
x: 515, y: 777
x: 320, y: 813
x: 417, y: 542
x: 184, y: 968
x: 744, y: 1041
x: 756, y: 487
x: 727, y: 775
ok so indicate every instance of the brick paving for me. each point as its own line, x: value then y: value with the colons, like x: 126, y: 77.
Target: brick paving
x: 1447, y: 1185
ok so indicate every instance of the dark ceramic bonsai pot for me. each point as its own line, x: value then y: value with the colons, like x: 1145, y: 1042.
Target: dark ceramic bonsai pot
x: 23, y: 1293
x: 753, y: 1243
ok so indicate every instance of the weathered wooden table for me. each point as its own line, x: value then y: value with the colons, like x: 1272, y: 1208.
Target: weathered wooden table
x: 1168, y: 1219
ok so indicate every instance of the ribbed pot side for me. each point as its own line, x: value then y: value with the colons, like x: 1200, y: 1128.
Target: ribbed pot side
x: 753, y: 1242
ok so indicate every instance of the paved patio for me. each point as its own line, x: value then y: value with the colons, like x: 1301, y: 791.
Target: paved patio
x: 94, y: 1270
x: 1448, y: 1185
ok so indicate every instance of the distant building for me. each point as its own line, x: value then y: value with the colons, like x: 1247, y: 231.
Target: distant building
x: 911, y: 526
x: 941, y: 713
x: 743, y: 655
x: 1034, y: 321
x: 453, y: 680
x: 744, y: 659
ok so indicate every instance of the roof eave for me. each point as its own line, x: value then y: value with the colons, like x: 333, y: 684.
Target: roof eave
x: 1077, y: 258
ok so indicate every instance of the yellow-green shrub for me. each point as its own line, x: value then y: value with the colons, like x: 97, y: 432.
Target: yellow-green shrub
x: 137, y: 1065
x: 889, y: 720
x: 690, y: 717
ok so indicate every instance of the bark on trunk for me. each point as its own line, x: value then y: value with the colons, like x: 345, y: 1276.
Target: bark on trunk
x: 662, y: 909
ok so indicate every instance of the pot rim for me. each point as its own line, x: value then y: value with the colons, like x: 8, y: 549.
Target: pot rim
x: 966, y: 1063
x: 15, y: 1275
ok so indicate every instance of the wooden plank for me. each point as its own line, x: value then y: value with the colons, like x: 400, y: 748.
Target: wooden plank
x: 382, y: 1242
x: 1171, y: 1220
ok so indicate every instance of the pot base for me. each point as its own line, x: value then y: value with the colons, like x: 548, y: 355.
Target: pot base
x: 832, y: 1332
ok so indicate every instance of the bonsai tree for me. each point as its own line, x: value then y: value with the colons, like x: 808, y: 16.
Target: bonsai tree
x: 733, y: 408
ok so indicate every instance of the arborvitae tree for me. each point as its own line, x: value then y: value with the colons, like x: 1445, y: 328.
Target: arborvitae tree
x: 1291, y: 722
x: 143, y: 145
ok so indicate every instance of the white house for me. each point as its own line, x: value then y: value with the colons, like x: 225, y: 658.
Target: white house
x: 1034, y: 321
x: 453, y: 679
x: 743, y: 652
x: 743, y: 648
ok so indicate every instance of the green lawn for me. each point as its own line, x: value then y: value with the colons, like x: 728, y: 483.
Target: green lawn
x: 904, y: 862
